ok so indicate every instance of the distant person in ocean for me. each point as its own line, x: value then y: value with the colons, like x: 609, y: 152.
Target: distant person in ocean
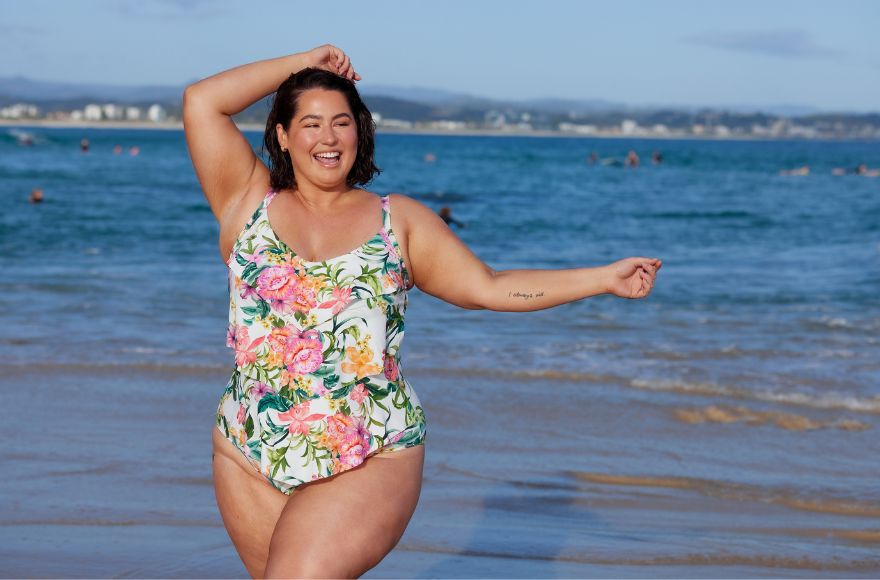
x: 656, y: 158
x: 860, y: 169
x: 117, y: 150
x: 593, y: 158
x: 36, y: 196
x: 805, y: 170
x: 430, y: 158
x: 445, y: 214
x: 318, y: 438
x: 84, y: 145
x: 632, y: 159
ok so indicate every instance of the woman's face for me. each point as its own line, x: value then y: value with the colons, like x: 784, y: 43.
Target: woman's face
x: 322, y: 139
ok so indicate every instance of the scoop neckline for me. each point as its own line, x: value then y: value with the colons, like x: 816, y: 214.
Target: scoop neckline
x: 296, y: 254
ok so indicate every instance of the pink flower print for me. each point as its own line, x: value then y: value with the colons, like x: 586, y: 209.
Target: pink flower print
x: 298, y: 418
x: 256, y: 257
x: 391, y: 370
x: 358, y: 393
x: 278, y: 339
x: 242, y: 412
x: 339, y: 300
x: 260, y: 389
x: 277, y: 283
x: 230, y: 336
x: 304, y: 298
x: 349, y: 438
x: 357, y: 444
x: 303, y: 353
x: 244, y: 289
x: 389, y: 246
x: 244, y: 348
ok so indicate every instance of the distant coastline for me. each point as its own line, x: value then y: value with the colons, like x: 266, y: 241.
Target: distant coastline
x: 254, y: 127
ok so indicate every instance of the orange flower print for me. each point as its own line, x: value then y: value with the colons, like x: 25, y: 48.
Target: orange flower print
x: 361, y: 364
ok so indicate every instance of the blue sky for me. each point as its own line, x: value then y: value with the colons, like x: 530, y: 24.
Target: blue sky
x: 674, y: 52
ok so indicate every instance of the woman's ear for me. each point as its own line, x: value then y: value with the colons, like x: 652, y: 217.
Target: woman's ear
x: 281, y: 134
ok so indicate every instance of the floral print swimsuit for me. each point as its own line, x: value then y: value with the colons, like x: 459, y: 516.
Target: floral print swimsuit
x: 317, y: 385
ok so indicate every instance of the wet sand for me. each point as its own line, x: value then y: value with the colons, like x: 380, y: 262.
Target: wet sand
x: 110, y: 476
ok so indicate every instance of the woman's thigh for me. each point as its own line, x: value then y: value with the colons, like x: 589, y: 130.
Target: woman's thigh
x: 342, y: 526
x: 249, y: 505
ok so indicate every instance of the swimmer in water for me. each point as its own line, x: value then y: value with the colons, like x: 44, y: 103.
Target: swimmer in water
x: 445, y: 214
x: 805, y: 170
x: 36, y: 196
x: 632, y: 159
x: 84, y: 145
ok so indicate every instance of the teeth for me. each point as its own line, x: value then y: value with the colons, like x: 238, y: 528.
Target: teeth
x: 333, y: 155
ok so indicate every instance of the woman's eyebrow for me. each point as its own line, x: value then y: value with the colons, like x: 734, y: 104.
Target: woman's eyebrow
x: 319, y: 117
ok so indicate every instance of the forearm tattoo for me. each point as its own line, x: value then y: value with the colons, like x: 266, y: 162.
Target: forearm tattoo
x: 525, y: 295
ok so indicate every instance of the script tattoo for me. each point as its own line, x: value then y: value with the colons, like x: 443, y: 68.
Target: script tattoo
x: 525, y: 295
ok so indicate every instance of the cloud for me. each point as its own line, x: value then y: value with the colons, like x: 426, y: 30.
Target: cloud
x: 790, y: 43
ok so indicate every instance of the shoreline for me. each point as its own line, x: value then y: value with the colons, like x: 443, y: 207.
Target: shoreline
x: 254, y: 127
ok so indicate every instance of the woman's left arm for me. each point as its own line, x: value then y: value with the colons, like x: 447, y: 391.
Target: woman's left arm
x: 443, y: 266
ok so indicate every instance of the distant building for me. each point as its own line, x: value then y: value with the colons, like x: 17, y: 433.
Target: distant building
x: 579, y: 129
x: 112, y: 112
x: 20, y: 111
x: 629, y: 127
x: 92, y: 113
x: 448, y: 125
x: 395, y: 124
x: 133, y: 113
x: 377, y: 118
x: 156, y: 113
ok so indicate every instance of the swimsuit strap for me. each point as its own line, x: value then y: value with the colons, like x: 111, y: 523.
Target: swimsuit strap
x: 270, y: 195
x: 386, y: 212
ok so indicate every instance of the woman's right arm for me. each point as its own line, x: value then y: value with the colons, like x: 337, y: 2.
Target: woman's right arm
x: 225, y: 163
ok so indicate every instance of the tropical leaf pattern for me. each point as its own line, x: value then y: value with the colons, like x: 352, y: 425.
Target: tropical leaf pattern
x: 317, y: 385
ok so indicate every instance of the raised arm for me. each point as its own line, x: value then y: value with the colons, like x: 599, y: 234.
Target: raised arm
x: 443, y: 266
x: 223, y: 159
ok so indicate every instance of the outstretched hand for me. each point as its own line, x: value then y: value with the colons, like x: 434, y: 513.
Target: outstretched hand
x: 633, y: 277
x: 330, y: 58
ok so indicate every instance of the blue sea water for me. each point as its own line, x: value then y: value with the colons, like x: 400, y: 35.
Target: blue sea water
x: 752, y: 372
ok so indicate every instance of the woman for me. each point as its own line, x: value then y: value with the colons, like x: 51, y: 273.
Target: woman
x: 319, y: 437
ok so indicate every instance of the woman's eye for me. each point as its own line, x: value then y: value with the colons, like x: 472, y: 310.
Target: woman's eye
x: 346, y: 124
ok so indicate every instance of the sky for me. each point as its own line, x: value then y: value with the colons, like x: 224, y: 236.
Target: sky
x: 746, y: 53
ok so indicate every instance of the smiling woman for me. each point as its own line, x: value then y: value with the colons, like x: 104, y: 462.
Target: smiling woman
x: 318, y: 433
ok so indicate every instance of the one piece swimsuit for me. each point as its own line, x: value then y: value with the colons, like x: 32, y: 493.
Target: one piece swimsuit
x: 317, y: 385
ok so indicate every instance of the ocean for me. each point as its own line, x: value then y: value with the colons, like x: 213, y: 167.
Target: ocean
x: 724, y: 426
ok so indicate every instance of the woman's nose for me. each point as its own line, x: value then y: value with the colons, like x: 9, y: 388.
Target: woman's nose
x: 328, y: 135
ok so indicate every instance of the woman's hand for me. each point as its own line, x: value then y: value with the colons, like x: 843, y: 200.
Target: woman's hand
x: 632, y: 277
x: 330, y: 58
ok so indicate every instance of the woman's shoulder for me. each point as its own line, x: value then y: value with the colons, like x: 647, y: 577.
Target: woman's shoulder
x: 408, y: 209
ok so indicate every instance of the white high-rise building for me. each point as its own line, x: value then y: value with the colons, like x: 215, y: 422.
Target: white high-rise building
x: 92, y: 113
x: 156, y: 113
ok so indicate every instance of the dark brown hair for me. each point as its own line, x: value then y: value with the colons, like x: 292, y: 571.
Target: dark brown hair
x: 283, y: 110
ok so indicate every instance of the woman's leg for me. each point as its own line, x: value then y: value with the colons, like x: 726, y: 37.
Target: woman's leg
x: 249, y: 505
x: 342, y: 526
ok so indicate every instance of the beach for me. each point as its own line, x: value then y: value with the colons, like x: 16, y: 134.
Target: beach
x: 724, y: 427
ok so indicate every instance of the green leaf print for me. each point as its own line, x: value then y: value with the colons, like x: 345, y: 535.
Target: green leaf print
x: 249, y: 427
x: 332, y: 381
x: 278, y: 460
x: 273, y: 401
